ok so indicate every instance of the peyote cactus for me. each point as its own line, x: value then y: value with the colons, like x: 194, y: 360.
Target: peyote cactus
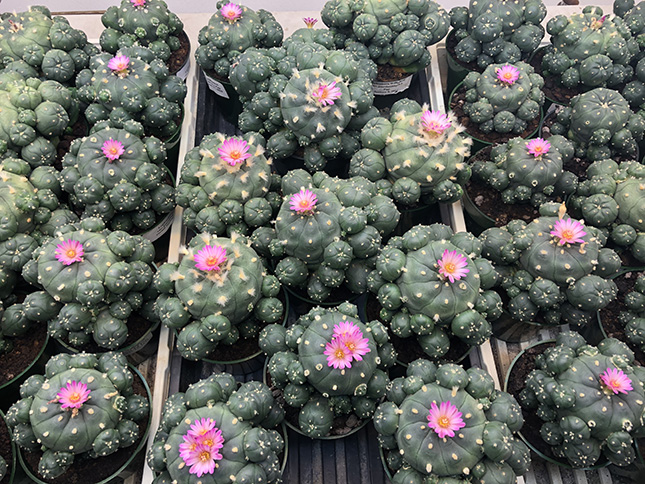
x: 328, y: 232
x: 420, y: 151
x: 446, y: 424
x: 219, y: 431
x: 633, y: 318
x: 504, y: 98
x: 218, y: 293
x: 328, y: 365
x: 85, y: 405
x: 590, y: 399
x: 118, y: 176
x: 497, y: 31
x: 230, y: 31
x: 434, y: 286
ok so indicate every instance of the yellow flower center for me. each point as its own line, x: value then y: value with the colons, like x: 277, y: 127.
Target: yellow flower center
x: 449, y: 267
x: 235, y: 154
x: 71, y: 253
x: 339, y: 353
x: 351, y: 345
x: 74, y: 397
x: 443, y: 422
x: 508, y: 75
x: 204, y: 456
x: 567, y: 235
x: 208, y: 442
x: 211, y: 261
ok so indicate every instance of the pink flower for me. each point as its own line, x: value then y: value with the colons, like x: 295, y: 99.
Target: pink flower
x: 452, y: 265
x: 508, y: 74
x: 325, y: 94
x: 201, y: 446
x: 213, y: 439
x: 202, y: 460
x: 616, y: 381
x: 201, y: 427
x: 597, y: 23
x: 73, y: 395
x: 568, y: 231
x: 303, y: 202
x: 231, y: 12
x: 538, y: 147
x: 445, y: 419
x: 435, y: 122
x: 112, y: 149
x: 352, y: 337
x: 188, y: 446
x: 69, y: 252
x: 310, y: 22
x: 138, y: 3
x: 338, y: 355
x: 234, y: 151
x: 210, y: 258
x: 119, y: 64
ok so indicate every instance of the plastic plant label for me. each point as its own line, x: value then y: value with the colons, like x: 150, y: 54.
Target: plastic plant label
x: 161, y: 228
x: 217, y: 87
x: 391, y: 87
x: 183, y: 72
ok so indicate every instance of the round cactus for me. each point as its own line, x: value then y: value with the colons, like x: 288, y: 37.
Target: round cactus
x: 633, y: 318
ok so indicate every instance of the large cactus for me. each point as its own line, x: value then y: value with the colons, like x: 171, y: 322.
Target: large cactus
x: 590, y: 399
x: 633, y: 318
x: 446, y: 424
x: 85, y: 405
x: 328, y: 365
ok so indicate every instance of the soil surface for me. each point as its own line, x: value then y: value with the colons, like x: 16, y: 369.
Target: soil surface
x: 388, y: 73
x: 179, y: 57
x: 5, y: 449
x: 552, y: 88
x: 25, y: 350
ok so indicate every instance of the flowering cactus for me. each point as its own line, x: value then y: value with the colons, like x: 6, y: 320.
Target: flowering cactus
x: 83, y: 406
x: 575, y: 387
x: 327, y: 365
x: 219, y: 430
x: 446, y: 424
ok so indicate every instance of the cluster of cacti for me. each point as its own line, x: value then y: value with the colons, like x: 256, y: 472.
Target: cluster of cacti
x: 633, y: 318
x: 232, y: 30
x: 420, y: 151
x: 590, y: 399
x: 218, y: 293
x: 446, y: 424
x: 497, y: 31
x: 328, y: 365
x: 227, y: 186
x: 395, y: 32
x: 504, y: 98
x: 434, y: 286
x: 328, y: 232
x: 118, y: 176
x: 84, y: 405
x: 219, y: 431
x: 36, y: 44
x: 589, y: 49
x: 553, y: 270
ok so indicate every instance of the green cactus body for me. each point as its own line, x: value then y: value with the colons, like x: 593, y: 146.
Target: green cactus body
x: 595, y: 110
x: 18, y: 205
x: 504, y: 96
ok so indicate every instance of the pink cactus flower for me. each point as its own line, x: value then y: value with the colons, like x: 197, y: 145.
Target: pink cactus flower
x: 119, y: 64
x: 452, y: 265
x: 69, y: 252
x: 188, y: 446
x: 213, y: 439
x: 435, y: 122
x: 201, y: 427
x: 616, y: 381
x: 112, y: 149
x: 326, y: 94
x: 138, y: 3
x: 338, y: 355
x: 231, y: 12
x: 303, y: 202
x: 508, y: 74
x: 568, y: 231
x: 202, y: 460
x: 538, y: 147
x: 210, y: 258
x: 352, y: 337
x: 445, y: 419
x: 73, y: 395
x: 310, y: 22
x: 234, y: 151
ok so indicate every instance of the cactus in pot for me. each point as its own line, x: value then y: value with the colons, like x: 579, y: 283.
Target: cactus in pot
x: 328, y: 365
x: 633, y: 317
x: 84, y: 405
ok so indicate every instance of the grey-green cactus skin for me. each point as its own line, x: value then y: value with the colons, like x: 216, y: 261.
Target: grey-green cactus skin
x: 485, y: 450
x: 92, y: 431
x: 298, y: 366
x: 567, y: 393
x: 633, y: 316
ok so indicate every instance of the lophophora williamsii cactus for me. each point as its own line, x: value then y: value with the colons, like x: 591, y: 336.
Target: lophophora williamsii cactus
x: 230, y: 31
x: 225, y: 185
x: 434, y: 286
x: 420, y: 151
x: 37, y: 44
x: 328, y: 365
x: 328, y: 232
x: 497, y: 31
x: 633, y: 318
x: 143, y: 22
x: 528, y: 171
x: 504, y: 98
x: 395, y: 32
x: 590, y: 399
x: 219, y: 431
x: 601, y: 125
x: 446, y: 424
x: 554, y: 270
x: 218, y: 293
x: 127, y: 89
x: 589, y: 49
x: 84, y: 405
x: 118, y: 176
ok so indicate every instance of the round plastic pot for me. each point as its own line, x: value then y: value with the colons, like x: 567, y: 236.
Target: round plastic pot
x: 386, y: 93
x: 226, y: 98
x: 172, y: 148
x: 421, y: 215
x: 479, y: 218
x: 182, y: 72
x: 457, y: 72
x: 508, y: 329
x: 8, y: 478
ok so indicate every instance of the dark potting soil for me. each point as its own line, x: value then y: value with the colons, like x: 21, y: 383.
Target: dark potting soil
x: 87, y: 470
x: 457, y: 105
x: 25, y: 350
x: 78, y: 130
x: 552, y: 88
x: 387, y: 73
x: 5, y: 449
x: 179, y: 57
